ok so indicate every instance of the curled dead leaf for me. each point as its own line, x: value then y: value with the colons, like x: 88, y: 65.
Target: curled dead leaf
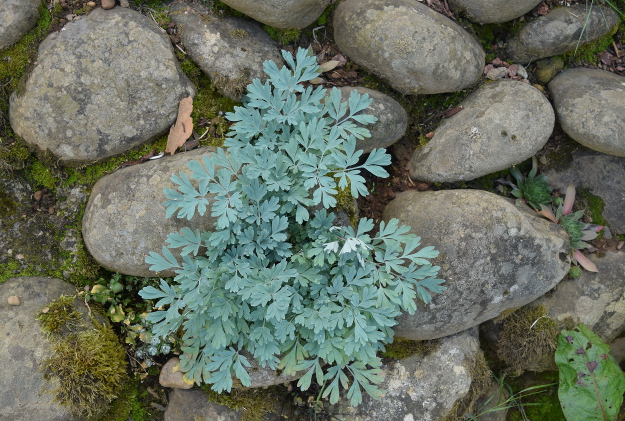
x: 183, y: 128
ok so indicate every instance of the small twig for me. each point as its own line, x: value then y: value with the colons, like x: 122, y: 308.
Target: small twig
x: 180, y: 48
x: 315, y: 35
x: 159, y: 26
x: 536, y: 321
x: 616, y: 51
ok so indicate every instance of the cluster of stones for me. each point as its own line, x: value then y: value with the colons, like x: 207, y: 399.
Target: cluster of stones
x: 110, y: 81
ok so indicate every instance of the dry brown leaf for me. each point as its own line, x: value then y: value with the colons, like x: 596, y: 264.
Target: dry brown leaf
x: 328, y: 65
x: 183, y: 128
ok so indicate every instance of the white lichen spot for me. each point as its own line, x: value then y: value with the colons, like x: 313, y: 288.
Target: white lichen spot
x: 409, y: 417
x: 460, y: 370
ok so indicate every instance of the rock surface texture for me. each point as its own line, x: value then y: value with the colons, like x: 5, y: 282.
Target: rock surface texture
x: 595, y: 299
x: 281, y: 13
x: 17, y: 17
x: 590, y: 104
x: 125, y: 218
x: 415, y: 49
x: 560, y: 31
x: 413, y: 385
x: 493, y: 11
x: 503, y: 123
x: 392, y: 119
x: 230, y: 50
x: 105, y: 84
x: 24, y: 395
x: 493, y: 256
x: 603, y: 176
x: 192, y: 405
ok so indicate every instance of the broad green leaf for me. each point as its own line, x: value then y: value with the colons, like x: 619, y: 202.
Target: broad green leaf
x: 591, y: 382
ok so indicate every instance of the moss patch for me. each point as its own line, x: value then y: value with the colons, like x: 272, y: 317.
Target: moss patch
x: 254, y: 404
x: 543, y: 406
x: 403, y: 348
x: 89, y: 362
x: 528, y: 334
x: 283, y: 36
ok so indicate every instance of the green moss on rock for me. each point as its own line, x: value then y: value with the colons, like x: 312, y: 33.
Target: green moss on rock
x: 88, y: 362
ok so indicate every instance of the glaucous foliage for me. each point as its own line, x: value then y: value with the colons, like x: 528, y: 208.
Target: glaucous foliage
x: 279, y: 282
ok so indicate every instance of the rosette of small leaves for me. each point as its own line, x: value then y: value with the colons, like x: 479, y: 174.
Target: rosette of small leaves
x: 534, y: 189
x: 276, y: 282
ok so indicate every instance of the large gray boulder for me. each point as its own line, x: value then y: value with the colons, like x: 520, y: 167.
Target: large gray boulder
x: 104, y: 84
x: 502, y: 123
x: 421, y: 388
x: 493, y: 11
x: 125, y: 218
x: 603, y: 176
x: 281, y: 13
x: 493, y: 256
x: 415, y: 49
x: 590, y: 104
x: 562, y: 30
x: 24, y: 395
x: 392, y: 118
x: 230, y: 50
x: 17, y: 17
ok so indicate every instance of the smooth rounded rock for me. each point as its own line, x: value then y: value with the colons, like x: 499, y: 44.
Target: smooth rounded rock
x: 392, y: 118
x: 171, y: 376
x: 125, y: 217
x: 590, y: 104
x: 25, y: 395
x: 493, y: 256
x: 17, y: 17
x: 230, y: 50
x: 493, y: 11
x: 281, y: 13
x: 562, y: 30
x: 502, y: 123
x: 103, y: 85
x: 108, y: 4
x: 415, y: 49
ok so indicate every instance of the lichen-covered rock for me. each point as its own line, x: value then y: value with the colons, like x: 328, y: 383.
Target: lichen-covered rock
x: 24, y: 395
x: 17, y: 17
x: 415, y: 49
x: 502, y: 123
x: 603, y: 176
x: 493, y: 256
x: 230, y: 50
x: 281, y: 13
x: 421, y: 388
x: 103, y: 85
x: 392, y: 118
x: 595, y: 299
x: 493, y: 11
x: 125, y: 218
x: 562, y: 30
x: 590, y: 104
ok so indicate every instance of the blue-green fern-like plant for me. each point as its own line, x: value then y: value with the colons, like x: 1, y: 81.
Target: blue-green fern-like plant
x: 291, y: 289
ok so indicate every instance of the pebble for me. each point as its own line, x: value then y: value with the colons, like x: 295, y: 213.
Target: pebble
x: 497, y: 73
x: 124, y: 3
x: 108, y: 4
x: 14, y: 300
x: 91, y: 4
